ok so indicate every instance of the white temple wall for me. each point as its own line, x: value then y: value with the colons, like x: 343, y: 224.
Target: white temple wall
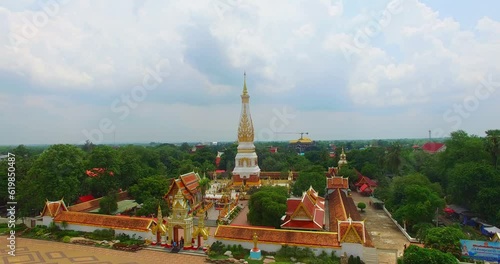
x: 352, y: 249
x: 275, y: 247
x: 131, y: 233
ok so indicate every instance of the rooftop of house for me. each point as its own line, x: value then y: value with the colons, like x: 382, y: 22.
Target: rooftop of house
x: 433, y: 147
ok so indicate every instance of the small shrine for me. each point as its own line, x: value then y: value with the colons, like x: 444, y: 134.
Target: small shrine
x: 200, y: 232
x: 180, y: 223
x: 159, y: 231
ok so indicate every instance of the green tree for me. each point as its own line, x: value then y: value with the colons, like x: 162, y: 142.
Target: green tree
x: 153, y: 187
x: 493, y: 145
x: 150, y: 207
x: 414, y: 199
x: 109, y: 203
x: 267, y: 206
x: 204, y: 184
x: 307, y: 179
x: 416, y: 255
x: 467, y: 179
x: 104, y: 157
x: 371, y: 170
x: 349, y: 172
x: 362, y: 206
x: 55, y: 174
x: 445, y: 239
x: 393, y: 158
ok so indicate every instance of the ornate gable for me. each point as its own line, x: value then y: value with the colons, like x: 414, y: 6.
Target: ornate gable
x: 351, y: 236
x: 301, y: 213
x: 53, y: 208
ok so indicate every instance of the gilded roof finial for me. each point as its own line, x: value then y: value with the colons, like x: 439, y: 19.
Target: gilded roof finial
x: 245, y: 90
x: 159, y: 216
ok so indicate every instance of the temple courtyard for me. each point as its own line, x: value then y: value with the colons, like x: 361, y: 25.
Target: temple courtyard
x: 32, y: 251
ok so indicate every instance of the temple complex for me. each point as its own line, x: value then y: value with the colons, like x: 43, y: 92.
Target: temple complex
x: 246, y: 170
x: 331, y: 223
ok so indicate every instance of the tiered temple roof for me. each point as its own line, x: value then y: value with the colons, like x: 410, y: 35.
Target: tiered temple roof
x: 345, y: 219
x: 306, y: 213
x: 188, y: 184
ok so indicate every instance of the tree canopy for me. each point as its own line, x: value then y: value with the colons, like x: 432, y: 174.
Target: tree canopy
x: 414, y: 199
x: 267, y: 205
x: 445, y: 239
x: 416, y: 255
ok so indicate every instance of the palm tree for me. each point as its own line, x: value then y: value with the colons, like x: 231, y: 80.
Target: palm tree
x: 203, y: 185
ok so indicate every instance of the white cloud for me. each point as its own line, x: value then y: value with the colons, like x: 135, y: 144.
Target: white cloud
x: 294, y: 50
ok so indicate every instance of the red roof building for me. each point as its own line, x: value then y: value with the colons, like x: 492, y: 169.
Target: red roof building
x: 85, y: 198
x: 433, y: 147
x: 96, y: 172
x: 365, y: 185
x: 188, y: 184
x: 273, y: 149
x: 344, y: 218
x: 337, y: 183
x: 307, y: 213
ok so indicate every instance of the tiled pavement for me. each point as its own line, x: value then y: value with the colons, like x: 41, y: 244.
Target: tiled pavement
x: 31, y: 251
x: 241, y: 219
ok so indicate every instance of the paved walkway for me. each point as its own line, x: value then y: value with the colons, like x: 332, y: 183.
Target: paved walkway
x: 241, y: 219
x: 384, y: 233
x: 32, y: 251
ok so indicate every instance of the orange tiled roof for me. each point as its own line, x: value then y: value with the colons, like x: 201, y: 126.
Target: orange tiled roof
x: 314, y: 208
x: 357, y: 227
x: 53, y: 208
x: 94, y: 204
x: 188, y: 184
x: 341, y: 207
x: 332, y: 171
x: 190, y: 181
x: 337, y: 183
x: 278, y: 236
x: 336, y: 208
x: 105, y: 221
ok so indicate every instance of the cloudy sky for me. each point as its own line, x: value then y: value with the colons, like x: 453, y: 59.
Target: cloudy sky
x: 172, y: 71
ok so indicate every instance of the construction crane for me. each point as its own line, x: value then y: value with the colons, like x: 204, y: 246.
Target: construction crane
x: 295, y: 133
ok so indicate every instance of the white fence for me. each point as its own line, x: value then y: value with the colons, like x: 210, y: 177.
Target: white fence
x: 411, y: 239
